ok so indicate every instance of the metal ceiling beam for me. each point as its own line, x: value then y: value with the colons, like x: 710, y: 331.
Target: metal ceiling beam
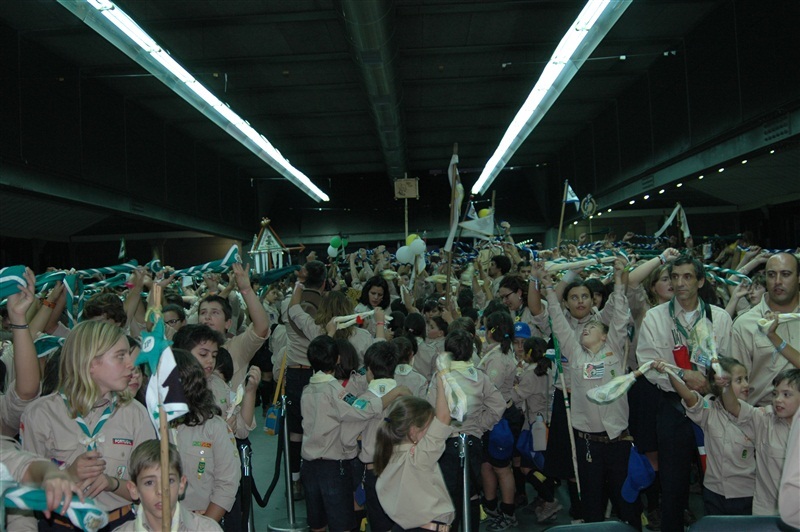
x: 370, y: 29
x: 71, y: 191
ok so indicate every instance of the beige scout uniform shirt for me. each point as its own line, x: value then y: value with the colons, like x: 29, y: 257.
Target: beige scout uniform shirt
x: 771, y: 435
x: 532, y: 393
x: 15, y: 459
x: 297, y: 343
x: 425, y: 359
x: 377, y: 388
x: 731, y: 464
x: 333, y: 419
x: 411, y: 489
x: 501, y: 368
x: 591, y: 370
x: 656, y: 342
x: 405, y: 375
x: 48, y: 430
x: 210, y: 462
x: 485, y: 403
x: 189, y: 522
x: 790, y: 481
x: 243, y: 348
x: 360, y: 338
x: 232, y: 415
x: 17, y: 462
x: 11, y: 409
x: 754, y: 350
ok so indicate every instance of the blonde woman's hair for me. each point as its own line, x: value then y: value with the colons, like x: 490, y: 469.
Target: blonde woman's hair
x: 88, y: 340
x: 334, y: 304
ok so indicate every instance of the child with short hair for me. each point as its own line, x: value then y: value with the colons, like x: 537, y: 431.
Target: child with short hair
x: 409, y: 442
x: 332, y: 420
x: 769, y: 429
x: 381, y: 362
x: 404, y: 373
x: 729, y: 480
x: 145, y: 486
x: 484, y: 408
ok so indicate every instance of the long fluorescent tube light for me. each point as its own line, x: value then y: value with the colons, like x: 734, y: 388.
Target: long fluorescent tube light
x: 593, y: 23
x: 111, y: 22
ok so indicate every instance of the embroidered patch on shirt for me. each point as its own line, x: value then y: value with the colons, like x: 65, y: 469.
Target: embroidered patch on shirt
x: 122, y: 441
x: 594, y: 371
x: 355, y: 402
x: 206, y: 444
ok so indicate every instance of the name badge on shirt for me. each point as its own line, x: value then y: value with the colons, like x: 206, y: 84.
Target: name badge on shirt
x: 593, y: 370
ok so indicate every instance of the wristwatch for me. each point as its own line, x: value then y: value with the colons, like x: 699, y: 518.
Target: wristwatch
x: 681, y: 373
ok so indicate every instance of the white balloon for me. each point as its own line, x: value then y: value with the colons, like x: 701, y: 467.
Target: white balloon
x: 405, y: 255
x: 418, y: 246
x: 332, y: 252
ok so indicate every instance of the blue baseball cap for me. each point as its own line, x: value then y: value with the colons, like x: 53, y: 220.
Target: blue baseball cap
x: 640, y: 475
x: 521, y: 330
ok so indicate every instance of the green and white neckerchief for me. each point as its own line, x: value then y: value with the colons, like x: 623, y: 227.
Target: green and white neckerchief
x: 704, y: 311
x: 93, y: 437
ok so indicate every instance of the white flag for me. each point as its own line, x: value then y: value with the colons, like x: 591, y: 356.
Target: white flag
x: 480, y: 227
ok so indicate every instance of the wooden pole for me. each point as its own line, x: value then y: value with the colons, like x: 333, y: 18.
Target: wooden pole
x: 569, y: 428
x: 163, y: 432
x: 166, y: 504
x: 406, y: 211
x: 561, y: 221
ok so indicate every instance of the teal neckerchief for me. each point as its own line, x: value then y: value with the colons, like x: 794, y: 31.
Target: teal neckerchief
x: 94, y: 436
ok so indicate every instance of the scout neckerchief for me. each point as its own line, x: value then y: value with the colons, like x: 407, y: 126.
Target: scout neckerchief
x: 92, y: 437
x: 140, y: 524
x: 703, y: 310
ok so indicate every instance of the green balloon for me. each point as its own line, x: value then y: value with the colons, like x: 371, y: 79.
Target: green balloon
x: 344, y: 242
x: 336, y: 242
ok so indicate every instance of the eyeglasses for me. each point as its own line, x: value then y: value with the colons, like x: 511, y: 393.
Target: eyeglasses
x: 172, y: 322
x: 504, y: 296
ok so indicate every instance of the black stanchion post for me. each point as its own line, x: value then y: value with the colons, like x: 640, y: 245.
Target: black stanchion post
x: 291, y: 524
x: 246, y: 454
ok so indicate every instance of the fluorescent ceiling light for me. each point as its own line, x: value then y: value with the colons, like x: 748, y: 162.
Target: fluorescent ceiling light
x: 590, y: 27
x: 119, y: 29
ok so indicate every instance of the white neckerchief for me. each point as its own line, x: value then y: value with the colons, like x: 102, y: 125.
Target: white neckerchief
x: 321, y: 376
x: 141, y: 524
x: 381, y: 387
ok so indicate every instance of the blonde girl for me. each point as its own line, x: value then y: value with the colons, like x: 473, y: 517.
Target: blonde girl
x: 90, y: 425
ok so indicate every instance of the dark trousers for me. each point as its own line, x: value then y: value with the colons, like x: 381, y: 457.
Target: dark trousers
x: 716, y: 504
x: 378, y: 520
x: 676, y: 450
x: 605, y: 475
x: 450, y: 463
x: 329, y: 494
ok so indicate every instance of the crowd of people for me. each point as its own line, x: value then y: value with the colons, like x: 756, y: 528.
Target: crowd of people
x: 392, y: 370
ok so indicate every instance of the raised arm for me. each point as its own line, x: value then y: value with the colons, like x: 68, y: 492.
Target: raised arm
x: 534, y: 296
x: 783, y: 347
x: 688, y: 396
x: 561, y: 328
x: 26, y: 364
x: 42, y: 317
x: 258, y: 316
x: 638, y: 275
x: 442, y: 410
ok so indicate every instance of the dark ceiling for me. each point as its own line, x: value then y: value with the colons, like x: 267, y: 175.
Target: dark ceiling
x: 357, y: 93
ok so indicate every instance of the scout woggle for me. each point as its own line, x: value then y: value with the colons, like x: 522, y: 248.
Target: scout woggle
x: 343, y: 322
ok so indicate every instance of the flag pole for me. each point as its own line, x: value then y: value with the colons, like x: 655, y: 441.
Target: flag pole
x: 452, y: 214
x: 561, y: 221
x: 163, y: 432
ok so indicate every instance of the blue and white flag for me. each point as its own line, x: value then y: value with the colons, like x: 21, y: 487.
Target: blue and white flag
x: 572, y: 197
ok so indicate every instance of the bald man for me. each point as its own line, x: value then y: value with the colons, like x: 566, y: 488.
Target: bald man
x: 766, y: 355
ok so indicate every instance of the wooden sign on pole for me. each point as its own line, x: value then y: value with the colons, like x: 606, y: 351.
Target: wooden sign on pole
x: 404, y: 189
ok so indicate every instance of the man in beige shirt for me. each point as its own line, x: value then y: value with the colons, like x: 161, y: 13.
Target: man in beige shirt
x: 664, y: 327
x: 765, y: 355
